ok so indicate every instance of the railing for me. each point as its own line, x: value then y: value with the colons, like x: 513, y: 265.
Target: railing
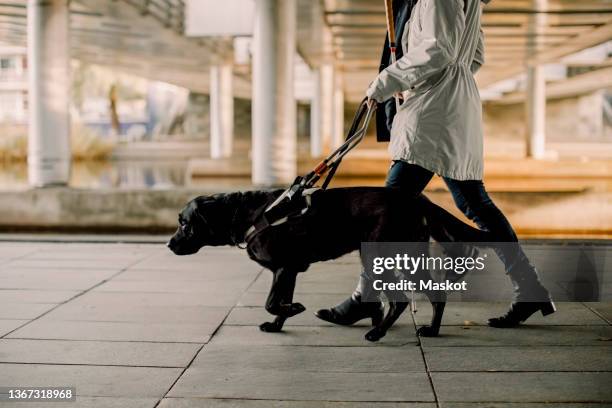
x: 171, y: 13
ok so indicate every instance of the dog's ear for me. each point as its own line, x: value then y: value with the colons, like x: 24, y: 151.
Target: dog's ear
x: 213, y: 214
x: 202, y: 209
x: 210, y: 207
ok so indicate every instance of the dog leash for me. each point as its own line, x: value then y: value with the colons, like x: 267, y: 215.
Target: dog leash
x: 392, y: 45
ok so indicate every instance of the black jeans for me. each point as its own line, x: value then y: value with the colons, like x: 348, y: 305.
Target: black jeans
x: 472, y: 199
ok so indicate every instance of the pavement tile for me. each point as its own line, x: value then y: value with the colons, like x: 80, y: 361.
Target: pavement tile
x: 35, y: 296
x: 115, y: 264
x: 71, y: 246
x: 99, y: 381
x: 82, y: 311
x: 347, y: 260
x: 331, y: 272
x: 205, y: 259
x: 343, y: 286
x: 205, y: 274
x: 178, y: 293
x: 312, y: 359
x: 93, y: 402
x: 298, y: 385
x: 602, y: 308
x: 351, y: 258
x: 478, y: 313
x: 250, y: 316
x: 116, y: 331
x: 527, y: 358
x: 14, y: 310
x: 89, y: 254
x: 50, y: 279
x: 242, y: 403
x: 521, y: 336
x: 217, y: 267
x: 313, y: 301
x: 12, y: 250
x: 253, y: 316
x: 127, y: 337
x: 231, y: 289
x: 7, y: 325
x: 134, y: 299
x: 312, y: 336
x: 97, y: 353
x: 523, y: 387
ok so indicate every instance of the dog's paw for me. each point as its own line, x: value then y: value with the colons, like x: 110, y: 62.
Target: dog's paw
x: 427, y: 331
x: 270, y: 327
x: 375, y: 334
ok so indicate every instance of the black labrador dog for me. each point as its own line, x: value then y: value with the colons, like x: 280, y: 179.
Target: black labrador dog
x: 336, y: 223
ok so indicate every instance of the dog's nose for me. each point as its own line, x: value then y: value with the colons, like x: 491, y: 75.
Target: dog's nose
x: 169, y: 244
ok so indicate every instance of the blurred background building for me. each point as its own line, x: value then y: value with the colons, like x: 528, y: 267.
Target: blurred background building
x: 129, y: 107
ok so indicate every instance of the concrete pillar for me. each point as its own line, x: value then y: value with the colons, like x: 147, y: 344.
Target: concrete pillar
x: 535, y: 103
x: 221, y: 111
x: 321, y: 114
x: 536, y: 111
x: 48, y: 88
x: 274, y: 152
x: 338, y: 134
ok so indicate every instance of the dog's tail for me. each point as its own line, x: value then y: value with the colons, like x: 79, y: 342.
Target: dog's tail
x: 445, y: 227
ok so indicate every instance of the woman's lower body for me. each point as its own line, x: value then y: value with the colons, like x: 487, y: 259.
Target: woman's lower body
x: 472, y: 199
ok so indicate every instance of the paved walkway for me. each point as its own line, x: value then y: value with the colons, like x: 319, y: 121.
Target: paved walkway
x: 131, y: 325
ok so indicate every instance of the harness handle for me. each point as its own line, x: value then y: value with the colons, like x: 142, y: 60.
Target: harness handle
x: 355, y: 135
x: 359, y: 115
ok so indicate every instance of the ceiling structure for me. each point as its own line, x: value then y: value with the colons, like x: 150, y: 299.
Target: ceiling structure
x: 140, y: 37
x: 517, y: 32
x: 145, y: 37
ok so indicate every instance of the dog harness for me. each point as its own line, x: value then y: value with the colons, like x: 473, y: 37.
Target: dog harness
x: 280, y: 211
x: 297, y: 199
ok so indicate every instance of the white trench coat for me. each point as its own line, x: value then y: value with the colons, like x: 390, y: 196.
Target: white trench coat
x: 439, y: 125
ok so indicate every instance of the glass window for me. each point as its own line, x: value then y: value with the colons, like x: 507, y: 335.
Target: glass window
x: 7, y: 63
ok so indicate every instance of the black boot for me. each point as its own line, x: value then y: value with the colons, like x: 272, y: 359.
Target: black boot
x: 530, y: 296
x: 521, y: 311
x: 351, y: 311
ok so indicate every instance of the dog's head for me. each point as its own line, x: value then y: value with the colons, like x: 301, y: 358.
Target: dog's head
x: 204, y: 221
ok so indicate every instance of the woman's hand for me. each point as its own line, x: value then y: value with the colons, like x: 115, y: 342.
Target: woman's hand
x: 370, y: 94
x: 397, y: 95
x: 373, y: 94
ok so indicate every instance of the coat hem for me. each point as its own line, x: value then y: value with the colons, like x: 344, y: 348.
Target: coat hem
x: 454, y: 175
